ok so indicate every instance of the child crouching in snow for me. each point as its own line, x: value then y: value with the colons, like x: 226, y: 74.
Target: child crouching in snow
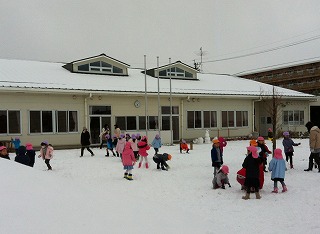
x: 184, y: 146
x: 128, y: 160
x: 221, y: 178
x: 278, y: 167
x: 160, y: 160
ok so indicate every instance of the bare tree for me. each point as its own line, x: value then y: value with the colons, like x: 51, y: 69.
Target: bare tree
x: 272, y: 104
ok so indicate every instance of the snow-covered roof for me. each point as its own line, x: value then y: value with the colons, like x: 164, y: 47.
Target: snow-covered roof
x: 34, y: 76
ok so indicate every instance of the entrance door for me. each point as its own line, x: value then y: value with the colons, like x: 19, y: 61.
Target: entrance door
x: 96, y: 125
x: 175, y: 126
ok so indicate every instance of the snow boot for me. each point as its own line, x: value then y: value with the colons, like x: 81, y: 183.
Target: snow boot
x: 284, y: 189
x: 125, y: 175
x: 147, y: 165
x: 246, y: 197
x: 258, y: 196
x: 291, y: 166
x: 129, y: 177
x: 139, y: 165
x: 275, y: 190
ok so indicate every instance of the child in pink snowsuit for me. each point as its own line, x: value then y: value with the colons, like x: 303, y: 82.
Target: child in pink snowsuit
x: 128, y: 160
x: 143, y: 147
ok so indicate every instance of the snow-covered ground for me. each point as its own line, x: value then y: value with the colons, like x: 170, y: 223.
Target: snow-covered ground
x: 90, y: 195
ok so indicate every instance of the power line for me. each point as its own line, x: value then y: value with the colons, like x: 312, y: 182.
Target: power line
x: 267, y: 50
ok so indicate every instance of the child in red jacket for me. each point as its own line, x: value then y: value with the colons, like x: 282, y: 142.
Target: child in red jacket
x: 143, y: 147
x: 184, y: 146
x: 128, y: 160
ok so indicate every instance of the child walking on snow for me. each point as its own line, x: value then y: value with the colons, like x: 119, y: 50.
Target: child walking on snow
x: 278, y: 167
x: 134, y: 145
x: 143, y: 147
x: 221, y: 178
x: 128, y: 161
x: 46, y: 152
x: 288, y: 144
x: 120, y: 145
x: 109, y: 145
x: 156, y: 144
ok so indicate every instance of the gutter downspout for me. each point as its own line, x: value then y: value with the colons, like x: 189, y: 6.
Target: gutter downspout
x: 86, y: 110
x: 253, y: 119
x: 181, y: 124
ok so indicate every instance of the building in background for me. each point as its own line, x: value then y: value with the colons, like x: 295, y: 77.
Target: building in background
x: 54, y: 101
x: 300, y: 77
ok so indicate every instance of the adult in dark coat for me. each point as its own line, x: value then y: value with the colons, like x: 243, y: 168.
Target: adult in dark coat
x: 22, y: 157
x: 252, y: 163
x: 31, y: 153
x: 85, y: 141
x: 160, y: 160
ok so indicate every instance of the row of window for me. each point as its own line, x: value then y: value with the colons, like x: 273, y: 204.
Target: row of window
x: 48, y: 121
x: 208, y: 119
x: 287, y: 73
x: 100, y: 67
x: 175, y: 72
x: 44, y: 121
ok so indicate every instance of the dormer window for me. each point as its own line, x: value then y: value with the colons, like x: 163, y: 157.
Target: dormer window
x: 175, y: 72
x: 100, y: 66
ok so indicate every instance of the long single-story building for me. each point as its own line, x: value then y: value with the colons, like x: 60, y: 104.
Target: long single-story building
x: 54, y: 101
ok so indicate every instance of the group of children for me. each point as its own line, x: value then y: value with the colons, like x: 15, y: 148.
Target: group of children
x: 251, y: 176
x: 25, y: 154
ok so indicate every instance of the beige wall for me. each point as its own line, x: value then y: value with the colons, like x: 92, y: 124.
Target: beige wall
x: 123, y: 105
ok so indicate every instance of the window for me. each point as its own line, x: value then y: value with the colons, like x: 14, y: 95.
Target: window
x: 41, y: 121
x: 67, y: 121
x: 194, y: 119
x: 100, y: 110
x: 175, y: 72
x: 165, y: 110
x: 100, y: 67
x: 295, y: 117
x: 136, y: 123
x: 209, y: 119
x: 10, y: 122
x: 165, y: 116
x: 234, y: 119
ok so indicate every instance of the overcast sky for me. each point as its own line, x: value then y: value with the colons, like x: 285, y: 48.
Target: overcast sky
x: 68, y: 30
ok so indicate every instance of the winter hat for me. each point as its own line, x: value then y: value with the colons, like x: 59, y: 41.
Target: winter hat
x: 157, y: 136
x: 253, y: 143
x: 138, y: 134
x: 122, y: 135
x: 29, y: 146
x: 2, y: 148
x: 22, y: 150
x: 286, y: 133
x: 169, y: 157
x: 133, y: 136
x: 214, y: 141
x: 278, y: 153
x: 17, y: 138
x: 44, y: 143
x: 253, y: 151
x: 225, y: 169
x: 183, y: 141
x: 108, y: 136
x: 260, y: 138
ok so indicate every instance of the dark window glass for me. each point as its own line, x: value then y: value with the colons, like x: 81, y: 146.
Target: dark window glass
x: 84, y: 67
x: 163, y: 73
x: 117, y: 70
x: 131, y: 123
x: 62, y: 121
x: 73, y: 121
x: 206, y: 119
x: 142, y: 123
x: 190, y: 119
x: 103, y: 64
x: 47, y: 121
x: 165, y: 123
x: 197, y: 116
x: 224, y: 115
x: 35, y: 122
x: 121, y: 122
x: 239, y: 118
x: 95, y: 64
x: 188, y: 74
x: 231, y: 118
x: 98, y: 110
x: 153, y: 122
x: 213, y: 119
x: 3, y: 121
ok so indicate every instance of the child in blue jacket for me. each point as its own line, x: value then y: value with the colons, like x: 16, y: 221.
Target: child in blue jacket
x: 16, y: 142
x: 156, y: 144
x: 277, y: 166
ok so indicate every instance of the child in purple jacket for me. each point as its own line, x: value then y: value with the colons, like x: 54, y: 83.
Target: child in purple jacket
x: 288, y: 147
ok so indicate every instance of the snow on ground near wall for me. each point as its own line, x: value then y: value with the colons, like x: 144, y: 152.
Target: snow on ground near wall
x: 89, y: 194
